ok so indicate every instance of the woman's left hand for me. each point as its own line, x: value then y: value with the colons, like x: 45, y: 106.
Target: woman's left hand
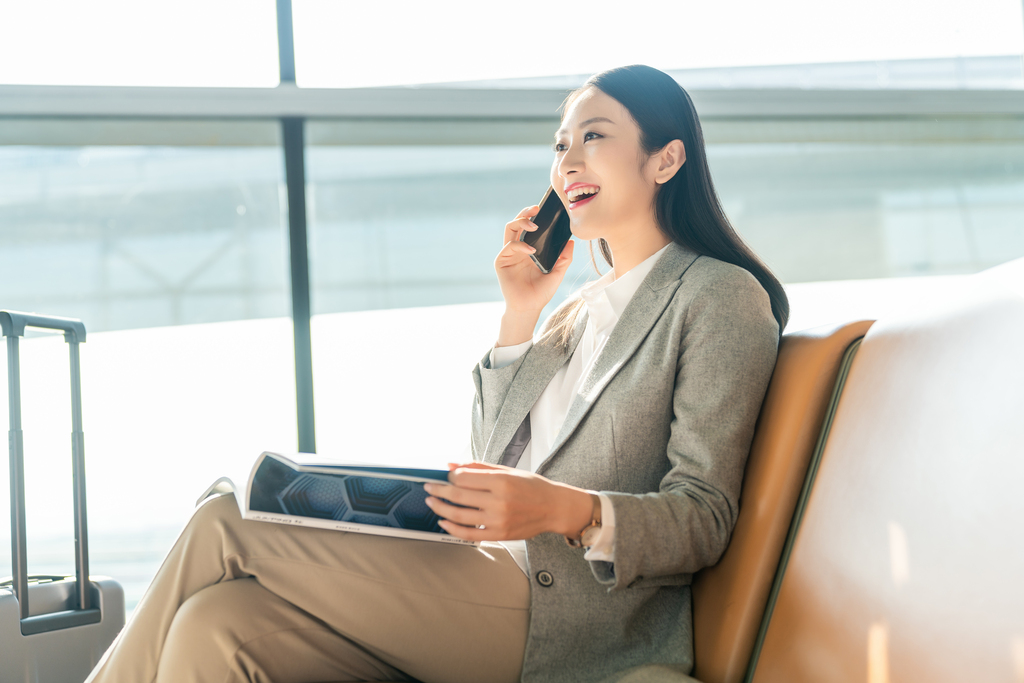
x: 503, y: 504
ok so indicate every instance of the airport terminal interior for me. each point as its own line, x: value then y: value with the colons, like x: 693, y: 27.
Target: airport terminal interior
x: 196, y: 195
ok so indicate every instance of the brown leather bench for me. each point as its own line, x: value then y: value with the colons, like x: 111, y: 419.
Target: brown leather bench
x: 729, y: 599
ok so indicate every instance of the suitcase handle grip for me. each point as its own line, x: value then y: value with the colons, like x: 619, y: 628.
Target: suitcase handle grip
x: 14, y: 323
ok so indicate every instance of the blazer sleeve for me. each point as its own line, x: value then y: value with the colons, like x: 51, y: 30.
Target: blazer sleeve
x: 491, y: 389
x: 726, y: 356
x: 492, y: 386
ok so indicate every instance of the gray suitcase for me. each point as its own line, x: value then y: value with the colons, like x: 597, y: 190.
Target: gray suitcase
x: 53, y: 629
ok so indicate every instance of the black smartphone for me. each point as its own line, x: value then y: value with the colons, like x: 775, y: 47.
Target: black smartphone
x: 552, y: 231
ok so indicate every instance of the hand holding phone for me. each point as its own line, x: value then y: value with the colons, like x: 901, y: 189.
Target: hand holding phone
x: 528, y: 283
x: 552, y: 231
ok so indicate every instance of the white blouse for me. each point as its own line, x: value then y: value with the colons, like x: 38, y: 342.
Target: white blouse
x: 605, y: 300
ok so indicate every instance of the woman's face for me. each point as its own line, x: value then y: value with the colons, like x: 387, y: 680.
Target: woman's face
x: 597, y: 170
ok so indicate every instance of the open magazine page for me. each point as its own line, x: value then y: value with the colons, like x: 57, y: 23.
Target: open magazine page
x: 346, y: 497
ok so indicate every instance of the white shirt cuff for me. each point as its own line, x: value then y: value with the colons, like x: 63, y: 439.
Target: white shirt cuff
x: 603, y: 549
x: 506, y: 355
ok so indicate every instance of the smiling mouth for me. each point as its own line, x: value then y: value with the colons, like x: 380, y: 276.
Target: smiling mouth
x: 581, y: 195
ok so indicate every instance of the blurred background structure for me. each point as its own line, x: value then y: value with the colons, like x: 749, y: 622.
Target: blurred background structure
x: 272, y: 212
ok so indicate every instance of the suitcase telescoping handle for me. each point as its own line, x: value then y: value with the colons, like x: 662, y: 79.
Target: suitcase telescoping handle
x: 13, y: 325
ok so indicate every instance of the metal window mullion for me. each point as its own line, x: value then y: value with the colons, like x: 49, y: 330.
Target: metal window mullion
x: 293, y: 140
x: 285, y: 41
x: 295, y: 178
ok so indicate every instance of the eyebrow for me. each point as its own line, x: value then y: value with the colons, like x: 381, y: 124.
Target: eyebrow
x: 596, y: 119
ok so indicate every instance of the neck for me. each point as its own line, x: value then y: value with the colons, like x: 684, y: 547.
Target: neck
x: 636, y: 249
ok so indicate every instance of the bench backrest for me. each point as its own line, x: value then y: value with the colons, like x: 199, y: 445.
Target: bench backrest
x: 729, y: 599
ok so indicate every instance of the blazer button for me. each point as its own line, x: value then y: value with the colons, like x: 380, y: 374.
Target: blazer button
x: 544, y: 578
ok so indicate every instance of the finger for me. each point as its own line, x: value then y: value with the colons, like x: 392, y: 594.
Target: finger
x: 529, y: 211
x: 514, y: 228
x: 516, y: 246
x: 477, y: 465
x: 467, y: 533
x: 458, y: 496
x: 564, y: 259
x: 476, y: 479
x: 459, y: 515
x: 513, y: 252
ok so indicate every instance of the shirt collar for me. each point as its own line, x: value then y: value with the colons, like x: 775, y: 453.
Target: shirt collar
x: 608, y: 297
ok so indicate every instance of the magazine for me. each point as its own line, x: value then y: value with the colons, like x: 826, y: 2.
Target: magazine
x: 306, y: 490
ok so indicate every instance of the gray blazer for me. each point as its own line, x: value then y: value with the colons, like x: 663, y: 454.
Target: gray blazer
x: 662, y: 424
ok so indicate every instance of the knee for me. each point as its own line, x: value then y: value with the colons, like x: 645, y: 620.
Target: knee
x: 210, y: 609
x: 212, y: 528
x: 213, y: 514
x: 205, y: 627
x: 193, y: 620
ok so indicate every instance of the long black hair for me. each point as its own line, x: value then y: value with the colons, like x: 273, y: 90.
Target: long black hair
x: 688, y: 209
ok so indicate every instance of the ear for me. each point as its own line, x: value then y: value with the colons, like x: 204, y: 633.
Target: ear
x: 668, y: 161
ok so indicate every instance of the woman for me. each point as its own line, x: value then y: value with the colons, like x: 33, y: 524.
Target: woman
x: 623, y: 428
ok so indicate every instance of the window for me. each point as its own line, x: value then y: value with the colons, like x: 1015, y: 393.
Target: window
x: 229, y: 43
x: 874, y: 199
x: 175, y: 256
x: 533, y: 38
x: 127, y: 236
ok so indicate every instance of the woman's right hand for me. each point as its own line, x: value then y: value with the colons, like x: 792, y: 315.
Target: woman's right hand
x: 525, y: 288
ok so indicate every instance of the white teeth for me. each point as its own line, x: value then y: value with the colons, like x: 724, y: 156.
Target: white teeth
x: 574, y: 194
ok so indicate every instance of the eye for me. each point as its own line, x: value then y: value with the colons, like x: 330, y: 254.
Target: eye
x: 589, y: 135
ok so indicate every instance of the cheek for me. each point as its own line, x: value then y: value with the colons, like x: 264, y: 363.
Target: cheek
x: 632, y: 188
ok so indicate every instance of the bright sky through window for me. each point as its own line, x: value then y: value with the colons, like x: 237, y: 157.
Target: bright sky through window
x: 347, y: 43
x: 408, y: 41
x: 139, y: 42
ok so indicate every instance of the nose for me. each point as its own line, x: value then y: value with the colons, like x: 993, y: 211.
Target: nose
x: 571, y: 162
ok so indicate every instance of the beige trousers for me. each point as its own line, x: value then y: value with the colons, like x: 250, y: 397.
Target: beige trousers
x: 239, y: 600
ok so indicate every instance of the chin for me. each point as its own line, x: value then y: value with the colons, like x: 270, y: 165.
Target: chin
x: 582, y: 230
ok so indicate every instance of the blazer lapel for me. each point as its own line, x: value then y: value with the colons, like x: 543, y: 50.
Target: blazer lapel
x: 539, y: 366
x: 637, y: 319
